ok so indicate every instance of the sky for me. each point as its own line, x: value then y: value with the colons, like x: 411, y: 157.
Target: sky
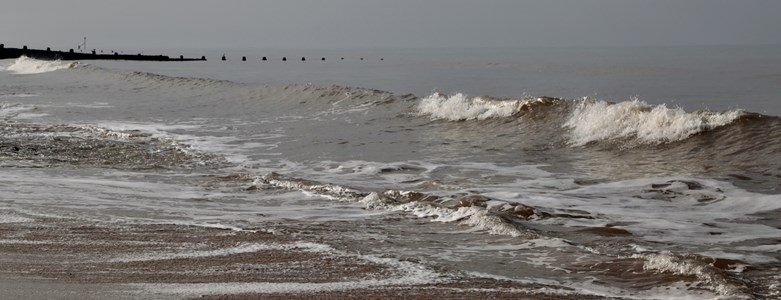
x: 387, y: 23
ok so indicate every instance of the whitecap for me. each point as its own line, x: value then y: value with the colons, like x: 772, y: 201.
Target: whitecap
x: 460, y: 107
x: 593, y: 121
x: 26, y: 65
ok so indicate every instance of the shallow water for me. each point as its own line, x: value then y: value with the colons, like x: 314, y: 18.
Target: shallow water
x: 617, y: 184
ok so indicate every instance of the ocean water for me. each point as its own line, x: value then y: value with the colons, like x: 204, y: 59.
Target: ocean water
x: 627, y: 172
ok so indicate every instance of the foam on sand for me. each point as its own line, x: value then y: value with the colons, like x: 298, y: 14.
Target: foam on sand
x: 408, y: 273
x: 14, y: 219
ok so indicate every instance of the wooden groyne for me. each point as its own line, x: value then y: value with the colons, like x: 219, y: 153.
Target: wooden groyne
x: 48, y: 54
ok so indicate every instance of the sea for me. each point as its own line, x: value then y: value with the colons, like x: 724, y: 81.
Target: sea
x: 628, y: 172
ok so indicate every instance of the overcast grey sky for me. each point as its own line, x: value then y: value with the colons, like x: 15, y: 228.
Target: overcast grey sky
x: 387, y: 23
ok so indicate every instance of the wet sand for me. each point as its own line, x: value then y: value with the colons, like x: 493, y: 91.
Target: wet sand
x: 54, y: 258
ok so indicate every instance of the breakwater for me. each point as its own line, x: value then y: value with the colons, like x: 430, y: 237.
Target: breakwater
x: 48, y: 54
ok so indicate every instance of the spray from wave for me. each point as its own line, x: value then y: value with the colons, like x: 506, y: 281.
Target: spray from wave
x: 586, y: 121
x: 459, y: 107
x: 26, y: 65
x: 594, y: 121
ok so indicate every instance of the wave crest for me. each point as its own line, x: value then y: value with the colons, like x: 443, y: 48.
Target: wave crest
x: 470, y: 210
x: 460, y: 107
x: 593, y: 121
x: 702, y: 268
x: 26, y: 65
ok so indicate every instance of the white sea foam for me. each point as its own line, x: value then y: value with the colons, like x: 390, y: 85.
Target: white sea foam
x: 481, y: 218
x: 244, y: 248
x: 761, y: 248
x: 108, y: 133
x: 13, y: 95
x: 294, y: 184
x: 227, y: 146
x: 26, y: 65
x: 26, y: 242
x: 8, y: 109
x: 460, y: 107
x: 678, y: 265
x: 677, y: 217
x: 593, y: 121
x: 678, y: 290
x: 750, y: 258
x: 15, y: 110
x: 408, y: 273
x: 14, y: 219
x: 476, y: 217
x: 675, y: 290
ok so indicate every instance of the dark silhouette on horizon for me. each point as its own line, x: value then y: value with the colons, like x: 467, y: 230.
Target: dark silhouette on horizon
x: 48, y: 54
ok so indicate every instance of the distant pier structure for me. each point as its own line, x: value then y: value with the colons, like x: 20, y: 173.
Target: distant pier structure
x: 266, y: 58
x: 49, y: 54
x: 84, y: 54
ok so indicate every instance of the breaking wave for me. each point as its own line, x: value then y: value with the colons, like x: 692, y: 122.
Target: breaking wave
x: 584, y: 121
x: 26, y: 65
x: 460, y: 107
x: 704, y: 269
x: 497, y: 217
x: 593, y: 121
x: 553, y: 122
x: 525, y: 122
x: 575, y: 122
x: 475, y: 211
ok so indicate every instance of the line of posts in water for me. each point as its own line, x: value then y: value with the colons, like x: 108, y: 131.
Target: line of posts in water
x: 93, y: 52
x: 284, y: 58
x: 224, y: 57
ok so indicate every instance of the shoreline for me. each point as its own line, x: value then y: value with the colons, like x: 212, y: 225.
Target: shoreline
x: 44, y: 258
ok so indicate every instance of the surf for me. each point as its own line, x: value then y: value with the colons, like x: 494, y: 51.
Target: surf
x: 26, y: 65
x: 600, y: 121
